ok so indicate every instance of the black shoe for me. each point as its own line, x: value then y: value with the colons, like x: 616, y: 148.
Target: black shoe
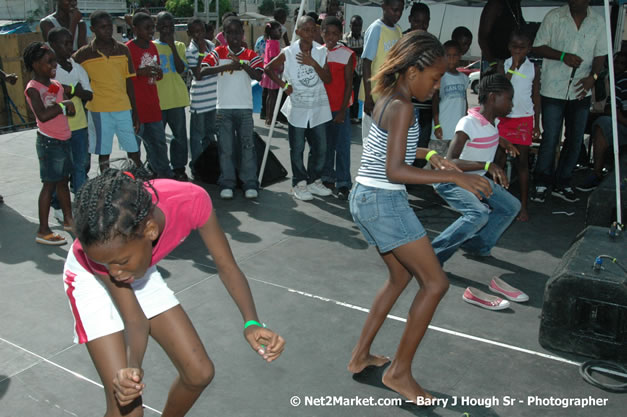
x: 539, y: 194
x: 180, y: 176
x: 566, y: 194
x: 342, y: 193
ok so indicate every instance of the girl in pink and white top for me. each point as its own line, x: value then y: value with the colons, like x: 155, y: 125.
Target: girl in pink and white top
x: 273, y: 49
x: 46, y: 99
x: 124, y: 227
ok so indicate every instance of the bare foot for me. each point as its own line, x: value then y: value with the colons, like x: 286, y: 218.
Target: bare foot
x: 405, y: 385
x: 523, y: 216
x: 356, y: 365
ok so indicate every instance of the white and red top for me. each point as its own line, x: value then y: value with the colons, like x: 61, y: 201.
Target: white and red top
x: 57, y: 127
x: 337, y: 59
x: 185, y: 206
x: 483, y: 138
x: 234, y: 89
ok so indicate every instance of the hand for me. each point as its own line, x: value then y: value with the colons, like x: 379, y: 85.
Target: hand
x: 476, y: 184
x: 369, y: 106
x: 438, y: 133
x: 305, y: 58
x: 536, y: 134
x: 70, y: 110
x: 128, y: 385
x: 289, y: 90
x: 510, y: 149
x: 273, y: 344
x: 136, y: 123
x: 572, y: 60
x: 439, y: 162
x: 339, y: 117
x: 11, y: 78
x: 498, y: 175
x: 584, y: 85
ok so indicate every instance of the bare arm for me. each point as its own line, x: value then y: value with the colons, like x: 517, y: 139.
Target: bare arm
x: 348, y: 83
x: 82, y: 34
x: 42, y: 112
x: 545, y: 51
x: 286, y: 39
x: 366, y: 69
x: 270, y: 69
x: 254, y: 73
x: 45, y: 27
x: 537, y: 102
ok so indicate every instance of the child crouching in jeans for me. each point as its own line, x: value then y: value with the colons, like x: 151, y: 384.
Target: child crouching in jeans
x: 45, y: 97
x: 236, y: 66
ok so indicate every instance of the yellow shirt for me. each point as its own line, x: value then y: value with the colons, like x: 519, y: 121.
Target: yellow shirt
x: 108, y: 76
x: 172, y: 89
x: 378, y: 41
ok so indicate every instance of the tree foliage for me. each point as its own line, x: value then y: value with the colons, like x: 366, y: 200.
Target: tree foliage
x: 185, y: 8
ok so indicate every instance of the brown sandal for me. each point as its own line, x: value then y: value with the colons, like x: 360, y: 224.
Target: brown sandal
x: 51, y: 239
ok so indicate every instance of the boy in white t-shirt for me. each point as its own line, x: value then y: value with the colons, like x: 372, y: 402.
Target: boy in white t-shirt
x: 449, y: 102
x: 473, y: 148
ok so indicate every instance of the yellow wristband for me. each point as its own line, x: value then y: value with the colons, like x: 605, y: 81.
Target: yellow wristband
x: 430, y: 154
x: 72, y: 90
x: 286, y: 86
x: 63, y: 110
x: 437, y: 127
x: 511, y: 71
x: 487, y: 166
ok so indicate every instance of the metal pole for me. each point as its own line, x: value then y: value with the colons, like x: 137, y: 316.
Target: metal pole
x: 619, y: 215
x: 276, y: 108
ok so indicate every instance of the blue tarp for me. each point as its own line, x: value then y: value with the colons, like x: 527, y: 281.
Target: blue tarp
x: 18, y: 27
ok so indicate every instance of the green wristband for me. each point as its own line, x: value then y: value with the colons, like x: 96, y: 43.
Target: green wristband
x: 252, y: 323
x: 241, y: 62
x: 520, y: 74
x: 287, y: 85
x: 430, y: 154
x: 487, y: 166
x: 63, y: 109
x: 562, y: 57
x: 72, y: 90
x: 437, y: 127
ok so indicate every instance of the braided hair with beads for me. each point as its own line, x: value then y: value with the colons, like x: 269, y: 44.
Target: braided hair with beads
x: 418, y: 49
x: 113, y: 204
x: 493, y: 83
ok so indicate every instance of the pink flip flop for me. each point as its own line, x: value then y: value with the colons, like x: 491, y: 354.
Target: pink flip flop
x: 499, y: 286
x: 482, y: 299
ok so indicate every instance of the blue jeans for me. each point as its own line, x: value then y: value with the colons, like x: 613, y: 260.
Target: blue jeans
x: 317, y: 139
x: 229, y: 121
x: 80, y: 158
x: 482, y: 222
x: 555, y: 112
x: 338, y: 153
x: 202, y: 131
x: 153, y: 135
x: 175, y: 118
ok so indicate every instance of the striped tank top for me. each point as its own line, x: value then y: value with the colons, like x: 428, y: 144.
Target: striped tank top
x: 372, y: 169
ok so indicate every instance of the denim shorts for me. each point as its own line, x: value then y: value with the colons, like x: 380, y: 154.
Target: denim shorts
x: 55, y: 158
x: 384, y: 217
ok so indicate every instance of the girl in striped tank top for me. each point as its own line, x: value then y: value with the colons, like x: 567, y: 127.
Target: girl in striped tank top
x: 379, y: 205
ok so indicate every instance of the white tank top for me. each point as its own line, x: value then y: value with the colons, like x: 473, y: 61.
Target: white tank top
x: 50, y: 18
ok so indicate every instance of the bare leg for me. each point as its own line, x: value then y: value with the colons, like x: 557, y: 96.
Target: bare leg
x: 420, y: 260
x: 45, y: 197
x: 270, y: 102
x: 134, y: 156
x: 103, y: 162
x: 109, y: 355
x: 383, y: 302
x: 600, y: 148
x: 522, y: 164
x: 175, y: 333
x: 63, y: 195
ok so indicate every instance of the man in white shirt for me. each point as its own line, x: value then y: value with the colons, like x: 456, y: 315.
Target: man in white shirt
x: 572, y: 42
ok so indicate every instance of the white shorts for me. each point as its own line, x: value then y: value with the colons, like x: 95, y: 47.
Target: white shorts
x: 95, y: 314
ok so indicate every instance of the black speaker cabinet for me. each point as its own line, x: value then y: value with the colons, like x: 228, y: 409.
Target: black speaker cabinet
x: 601, y: 208
x: 585, y: 311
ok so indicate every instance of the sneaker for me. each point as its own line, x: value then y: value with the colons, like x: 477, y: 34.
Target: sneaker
x: 484, y: 300
x: 589, y: 184
x: 317, y: 188
x: 566, y: 194
x: 499, y: 286
x: 343, y: 192
x: 539, y: 194
x: 226, y: 194
x: 251, y: 193
x: 300, y: 191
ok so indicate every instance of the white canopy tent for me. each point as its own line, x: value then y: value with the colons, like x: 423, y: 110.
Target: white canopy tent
x: 524, y: 3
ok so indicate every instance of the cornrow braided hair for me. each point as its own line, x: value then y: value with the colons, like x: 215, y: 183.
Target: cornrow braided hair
x: 493, y: 83
x: 33, y: 53
x: 418, y: 49
x: 115, y: 203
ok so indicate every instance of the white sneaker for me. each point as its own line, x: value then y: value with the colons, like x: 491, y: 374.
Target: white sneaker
x: 226, y: 194
x: 250, y: 194
x: 300, y: 191
x: 317, y: 188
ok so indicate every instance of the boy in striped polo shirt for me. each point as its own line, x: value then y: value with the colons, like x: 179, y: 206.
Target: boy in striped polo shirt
x: 203, y: 92
x: 236, y: 65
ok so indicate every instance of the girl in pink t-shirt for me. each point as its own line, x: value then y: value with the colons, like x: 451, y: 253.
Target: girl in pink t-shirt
x: 124, y: 226
x: 273, y: 49
x: 49, y: 105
